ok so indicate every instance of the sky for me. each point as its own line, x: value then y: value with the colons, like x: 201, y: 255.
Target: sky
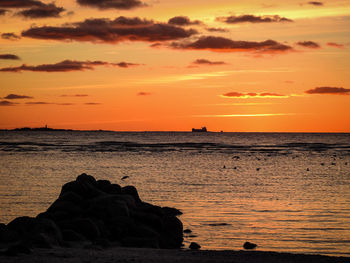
x: 164, y: 65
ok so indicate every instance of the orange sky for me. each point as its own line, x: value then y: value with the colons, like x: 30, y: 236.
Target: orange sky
x: 132, y: 65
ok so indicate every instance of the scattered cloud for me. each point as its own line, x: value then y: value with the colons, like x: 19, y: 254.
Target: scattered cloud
x: 66, y: 66
x: 221, y: 44
x: 46, y: 11
x: 244, y: 115
x: 309, y: 44
x: 336, y: 45
x: 104, y: 30
x: 329, y: 90
x: 15, y: 97
x: 10, y: 36
x: 183, y: 21
x: 7, y: 103
x: 21, y: 3
x: 92, y: 103
x: 75, y: 95
x: 144, y: 93
x: 252, y: 19
x: 217, y: 29
x: 37, y: 103
x: 9, y: 56
x: 315, y: 3
x: 253, y: 95
x: 112, y: 4
x: 208, y: 62
x: 3, y: 12
x: 65, y: 104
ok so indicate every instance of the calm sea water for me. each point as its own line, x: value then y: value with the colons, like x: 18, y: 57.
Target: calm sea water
x: 285, y: 192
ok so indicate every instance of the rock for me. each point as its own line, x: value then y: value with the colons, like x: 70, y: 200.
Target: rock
x: 86, y: 179
x: 103, y: 185
x: 172, y: 234
x: 248, y: 245
x: 149, y: 219
x: 194, y: 246
x: 114, y: 189
x: 187, y: 231
x: 7, y: 235
x: 131, y: 190
x: 83, y: 226
x: 71, y: 235
x: 170, y: 211
x: 17, y: 249
x: 99, y: 212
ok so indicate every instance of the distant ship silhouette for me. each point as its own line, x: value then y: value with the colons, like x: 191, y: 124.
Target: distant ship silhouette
x: 203, y: 129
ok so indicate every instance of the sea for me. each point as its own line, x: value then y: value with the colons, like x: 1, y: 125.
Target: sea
x: 285, y: 192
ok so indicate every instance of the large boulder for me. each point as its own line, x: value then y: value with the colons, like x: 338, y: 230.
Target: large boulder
x: 95, y: 211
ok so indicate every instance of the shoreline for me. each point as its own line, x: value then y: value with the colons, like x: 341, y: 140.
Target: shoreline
x: 144, y: 255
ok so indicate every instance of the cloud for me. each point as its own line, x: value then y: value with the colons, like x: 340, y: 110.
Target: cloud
x: 244, y: 115
x: 208, y: 62
x: 50, y: 10
x: 315, y: 3
x: 144, y: 93
x: 21, y: 3
x: 221, y: 44
x: 332, y: 44
x: 75, y: 95
x: 7, y: 103
x: 66, y: 66
x: 15, y: 97
x: 37, y: 103
x: 217, y: 29
x: 92, y: 103
x: 112, y: 4
x: 104, y: 30
x: 253, y: 19
x: 10, y: 36
x: 252, y: 95
x: 183, y: 21
x: 9, y: 56
x: 3, y: 12
x: 309, y: 44
x: 329, y: 90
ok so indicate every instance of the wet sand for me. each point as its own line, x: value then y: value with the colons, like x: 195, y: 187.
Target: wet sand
x: 143, y: 255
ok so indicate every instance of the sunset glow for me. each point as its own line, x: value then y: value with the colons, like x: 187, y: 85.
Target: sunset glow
x: 173, y: 65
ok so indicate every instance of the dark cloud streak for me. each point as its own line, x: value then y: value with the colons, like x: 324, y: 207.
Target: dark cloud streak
x: 66, y: 66
x: 208, y: 62
x: 221, y: 44
x: 309, y: 44
x: 112, y: 4
x: 329, y: 90
x: 315, y: 3
x: 15, y: 97
x: 252, y: 19
x: 10, y: 36
x: 50, y: 10
x: 104, y: 30
x: 9, y: 57
x: 183, y: 21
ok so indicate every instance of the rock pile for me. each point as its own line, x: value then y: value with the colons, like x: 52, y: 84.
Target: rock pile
x: 90, y: 211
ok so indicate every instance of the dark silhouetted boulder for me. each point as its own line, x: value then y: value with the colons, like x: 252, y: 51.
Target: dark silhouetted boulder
x: 93, y: 213
x: 248, y: 245
x: 194, y: 246
x: 83, y: 226
x: 71, y: 235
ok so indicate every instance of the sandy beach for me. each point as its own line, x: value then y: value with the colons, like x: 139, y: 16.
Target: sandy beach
x: 133, y: 255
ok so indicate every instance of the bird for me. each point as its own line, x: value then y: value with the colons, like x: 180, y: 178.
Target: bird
x: 124, y: 177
